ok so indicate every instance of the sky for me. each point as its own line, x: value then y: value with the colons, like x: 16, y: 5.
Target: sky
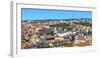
x: 42, y: 14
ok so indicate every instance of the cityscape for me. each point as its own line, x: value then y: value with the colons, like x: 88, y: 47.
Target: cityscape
x: 56, y: 33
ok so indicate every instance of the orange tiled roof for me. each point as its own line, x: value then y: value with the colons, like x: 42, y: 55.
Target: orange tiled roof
x: 58, y: 37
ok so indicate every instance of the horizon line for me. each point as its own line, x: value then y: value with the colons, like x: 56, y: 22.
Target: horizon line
x: 58, y: 19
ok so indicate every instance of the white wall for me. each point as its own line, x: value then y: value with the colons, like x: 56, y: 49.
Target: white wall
x: 5, y: 28
x: 85, y: 3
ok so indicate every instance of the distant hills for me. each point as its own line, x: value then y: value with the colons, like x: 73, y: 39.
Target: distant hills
x: 58, y: 19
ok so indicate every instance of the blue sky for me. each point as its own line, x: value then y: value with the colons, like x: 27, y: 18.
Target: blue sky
x: 42, y: 14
